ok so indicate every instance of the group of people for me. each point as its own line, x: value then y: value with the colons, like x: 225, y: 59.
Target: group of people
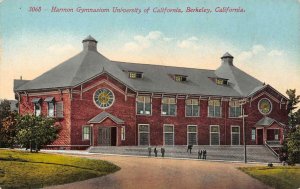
x: 162, y: 150
x: 201, y: 154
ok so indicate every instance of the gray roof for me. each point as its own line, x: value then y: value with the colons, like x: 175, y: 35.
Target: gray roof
x: 19, y: 82
x: 156, y: 78
x: 267, y: 121
x: 103, y: 115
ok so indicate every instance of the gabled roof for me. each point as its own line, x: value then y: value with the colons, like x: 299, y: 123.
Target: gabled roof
x: 103, y: 115
x: 156, y: 78
x: 267, y: 121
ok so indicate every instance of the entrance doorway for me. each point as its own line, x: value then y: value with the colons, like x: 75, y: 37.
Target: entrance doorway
x: 260, y: 140
x: 107, y: 136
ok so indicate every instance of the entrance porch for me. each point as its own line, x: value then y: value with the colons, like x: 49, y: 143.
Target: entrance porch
x: 269, y: 131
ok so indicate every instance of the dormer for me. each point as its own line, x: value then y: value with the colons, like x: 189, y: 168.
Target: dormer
x: 221, y: 81
x: 179, y: 78
x: 135, y: 75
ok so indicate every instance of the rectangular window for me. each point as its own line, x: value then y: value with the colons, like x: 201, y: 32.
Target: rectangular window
x: 50, y: 109
x: 134, y: 75
x: 276, y: 134
x: 123, y: 133
x: 214, y: 108
x: 144, y: 134
x: 214, y: 135
x: 86, y: 133
x: 37, y: 109
x: 180, y: 78
x: 235, y: 135
x: 192, y: 135
x: 253, y: 134
x: 168, y: 106
x: 143, y: 105
x: 168, y: 134
x: 191, y: 107
x: 59, y: 107
x: 235, y: 109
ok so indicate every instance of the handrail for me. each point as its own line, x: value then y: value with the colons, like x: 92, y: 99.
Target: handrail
x: 271, y: 149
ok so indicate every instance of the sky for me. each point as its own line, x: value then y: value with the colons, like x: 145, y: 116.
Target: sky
x: 264, y: 39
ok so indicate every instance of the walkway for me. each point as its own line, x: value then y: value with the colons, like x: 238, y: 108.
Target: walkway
x: 141, y: 172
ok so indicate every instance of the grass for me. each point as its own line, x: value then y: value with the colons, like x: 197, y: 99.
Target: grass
x: 280, y: 177
x: 19, y: 169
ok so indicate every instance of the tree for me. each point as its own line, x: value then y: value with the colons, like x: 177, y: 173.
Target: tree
x: 293, y: 147
x: 294, y: 116
x: 8, y: 130
x: 4, y: 110
x: 33, y: 132
x: 4, y: 113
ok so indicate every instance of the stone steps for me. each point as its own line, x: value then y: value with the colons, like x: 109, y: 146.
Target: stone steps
x: 229, y: 153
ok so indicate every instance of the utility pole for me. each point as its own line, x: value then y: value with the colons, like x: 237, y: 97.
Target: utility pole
x: 243, y: 102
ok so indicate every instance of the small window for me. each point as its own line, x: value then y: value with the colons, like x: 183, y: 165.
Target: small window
x: 86, y: 133
x: 180, y: 78
x: 214, y: 108
x: 168, y: 135
x: 50, y: 109
x: 135, y: 75
x: 192, y: 135
x: 37, y: 109
x: 220, y: 81
x: 214, y: 135
x: 168, y: 106
x: 191, y: 108
x: 123, y: 133
x: 253, y: 134
x: 143, y: 105
x: 235, y: 109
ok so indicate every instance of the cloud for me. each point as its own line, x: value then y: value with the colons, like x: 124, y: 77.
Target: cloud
x: 276, y: 52
x: 191, y: 42
x: 61, y: 49
x: 257, y: 51
x: 141, y: 42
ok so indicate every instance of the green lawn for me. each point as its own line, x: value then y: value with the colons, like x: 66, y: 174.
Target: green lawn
x: 278, y: 177
x: 20, y: 169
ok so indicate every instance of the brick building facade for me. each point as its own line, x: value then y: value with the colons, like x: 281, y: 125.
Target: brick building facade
x: 102, y: 102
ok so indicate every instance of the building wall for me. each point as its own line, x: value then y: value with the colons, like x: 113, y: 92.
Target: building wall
x: 79, y: 108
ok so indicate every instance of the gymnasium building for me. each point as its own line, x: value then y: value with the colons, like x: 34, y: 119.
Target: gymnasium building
x: 100, y: 102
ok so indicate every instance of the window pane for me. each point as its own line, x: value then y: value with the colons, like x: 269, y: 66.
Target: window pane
x: 211, y: 111
x: 235, y: 129
x: 189, y: 110
x: 144, y: 138
x: 168, y: 128
x: 217, y: 102
x: 235, y: 139
x: 253, y: 134
x: 169, y: 138
x: 165, y: 100
x: 195, y: 102
x: 147, y: 108
x: 165, y: 109
x: 147, y: 99
x: 50, y: 109
x: 140, y: 98
x: 140, y: 108
x: 188, y: 102
x: 192, y: 139
x: 214, y: 138
x: 172, y: 100
x: 144, y: 128
x: 210, y: 102
x: 218, y: 111
x: 192, y: 129
x: 172, y: 109
x: 232, y: 112
x: 195, y: 110
x: 214, y: 129
x: 238, y: 111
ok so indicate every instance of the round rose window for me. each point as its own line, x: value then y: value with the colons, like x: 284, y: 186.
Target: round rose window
x: 103, y: 98
x: 264, y: 106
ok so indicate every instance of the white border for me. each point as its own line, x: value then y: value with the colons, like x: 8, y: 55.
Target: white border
x: 235, y: 133
x: 210, y: 135
x: 168, y: 132
x: 187, y: 134
x: 144, y: 132
x: 103, y: 108
x: 271, y: 108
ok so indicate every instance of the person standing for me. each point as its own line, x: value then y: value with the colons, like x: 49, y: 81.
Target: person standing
x: 199, y: 154
x: 155, y: 152
x: 162, y: 152
x: 204, y: 154
x: 149, y: 151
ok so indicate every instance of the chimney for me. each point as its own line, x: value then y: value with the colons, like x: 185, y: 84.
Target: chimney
x: 89, y: 43
x: 227, y: 59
